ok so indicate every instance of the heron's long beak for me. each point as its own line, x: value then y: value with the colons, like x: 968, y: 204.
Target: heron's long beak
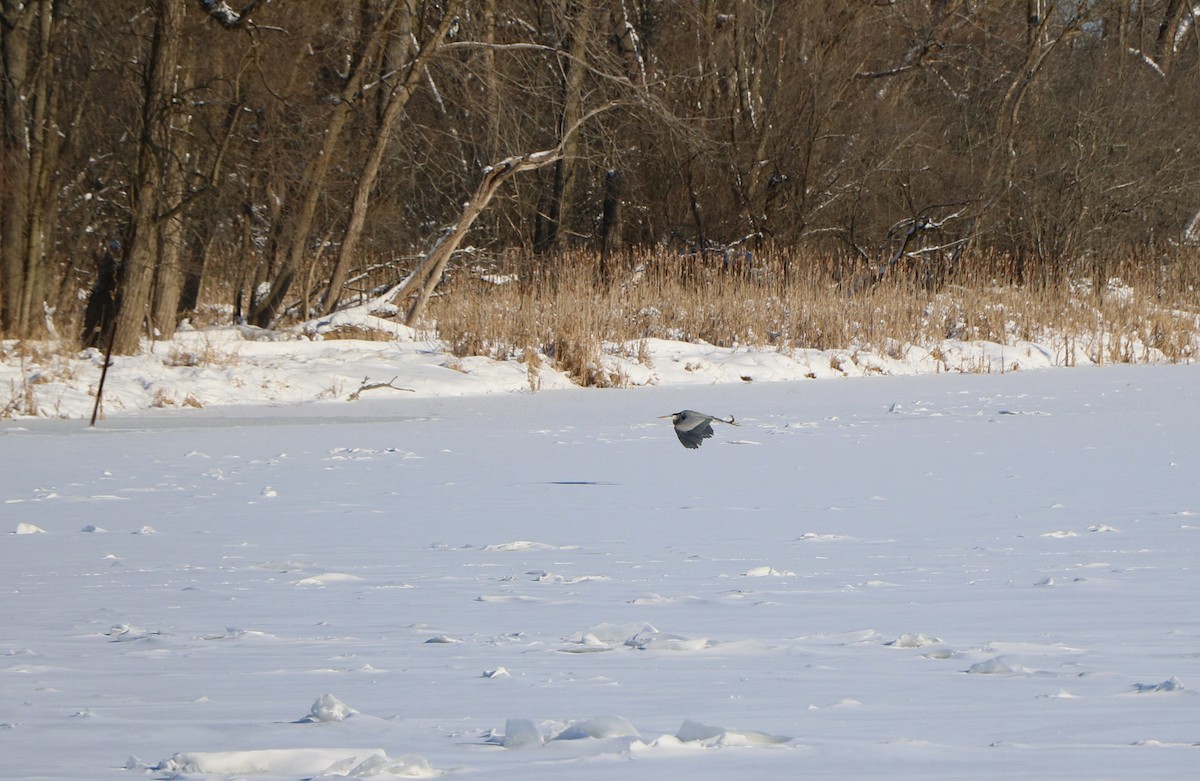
x: 664, y: 417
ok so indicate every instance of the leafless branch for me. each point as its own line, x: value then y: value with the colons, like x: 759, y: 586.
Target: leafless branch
x: 367, y: 386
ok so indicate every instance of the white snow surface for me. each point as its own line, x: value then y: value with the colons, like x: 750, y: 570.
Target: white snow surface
x: 985, y: 576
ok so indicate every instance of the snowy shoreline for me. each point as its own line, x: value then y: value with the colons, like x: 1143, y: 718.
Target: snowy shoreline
x: 233, y: 365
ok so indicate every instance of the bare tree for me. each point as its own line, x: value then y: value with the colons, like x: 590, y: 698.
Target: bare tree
x: 1168, y: 32
x: 30, y: 144
x: 424, y: 279
x: 400, y: 88
x: 293, y: 240
x: 155, y: 147
x: 578, y: 13
x: 228, y: 143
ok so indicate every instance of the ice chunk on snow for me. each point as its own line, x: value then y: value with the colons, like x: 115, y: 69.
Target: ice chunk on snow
x: 665, y: 642
x: 327, y: 708
x: 810, y: 536
x: 407, y: 766
x: 325, y: 578
x: 314, y: 763
x: 660, y: 641
x: 665, y: 742
x: 692, y: 731
x: 525, y: 545
x: 1172, y: 684
x: 612, y: 634
x: 124, y: 633
x: 769, y: 572
x: 293, y: 762
x: 912, y: 641
x: 600, y: 727
x: 1000, y: 665
x: 586, y: 644
x: 29, y: 528
x: 519, y: 733
x: 541, y: 576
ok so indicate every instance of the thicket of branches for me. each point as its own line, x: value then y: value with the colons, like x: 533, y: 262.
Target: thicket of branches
x: 289, y: 147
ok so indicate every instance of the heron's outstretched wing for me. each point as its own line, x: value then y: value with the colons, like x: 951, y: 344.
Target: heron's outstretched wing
x: 691, y: 438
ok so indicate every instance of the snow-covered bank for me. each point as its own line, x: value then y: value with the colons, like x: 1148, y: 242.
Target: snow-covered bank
x: 983, y: 576
x: 223, y: 366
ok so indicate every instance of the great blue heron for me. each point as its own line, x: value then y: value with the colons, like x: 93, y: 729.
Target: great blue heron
x: 694, y: 427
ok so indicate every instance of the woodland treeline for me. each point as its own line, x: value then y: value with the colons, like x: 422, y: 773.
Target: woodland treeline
x: 292, y: 149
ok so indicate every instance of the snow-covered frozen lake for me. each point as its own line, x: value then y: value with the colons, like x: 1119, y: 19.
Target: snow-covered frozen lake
x: 956, y: 576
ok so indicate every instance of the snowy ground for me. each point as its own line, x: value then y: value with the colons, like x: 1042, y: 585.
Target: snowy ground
x: 240, y: 365
x: 958, y: 576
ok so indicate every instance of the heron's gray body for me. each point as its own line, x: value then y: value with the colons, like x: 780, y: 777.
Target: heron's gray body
x: 694, y: 427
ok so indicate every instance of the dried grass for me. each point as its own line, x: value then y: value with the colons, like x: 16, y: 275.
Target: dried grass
x: 207, y: 354
x: 39, y: 363
x: 572, y: 307
x: 360, y: 332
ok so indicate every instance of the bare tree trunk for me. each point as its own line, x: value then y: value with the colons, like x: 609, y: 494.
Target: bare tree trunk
x: 29, y: 152
x: 706, y: 64
x: 491, y: 81
x: 1008, y: 117
x: 758, y: 175
x: 747, y: 75
x: 202, y: 233
x: 15, y: 166
x: 554, y: 236
x: 168, y: 275
x: 428, y: 273
x: 295, y: 240
x: 397, y: 99
x: 425, y: 277
x: 610, y: 215
x: 1168, y: 31
x: 1033, y: 20
x: 141, y: 250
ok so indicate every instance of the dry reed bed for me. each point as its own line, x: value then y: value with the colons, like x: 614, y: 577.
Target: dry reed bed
x: 573, y: 306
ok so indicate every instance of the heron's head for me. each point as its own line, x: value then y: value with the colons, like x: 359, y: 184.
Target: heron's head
x: 675, y: 417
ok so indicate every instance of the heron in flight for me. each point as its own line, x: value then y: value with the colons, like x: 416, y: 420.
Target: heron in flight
x: 694, y: 427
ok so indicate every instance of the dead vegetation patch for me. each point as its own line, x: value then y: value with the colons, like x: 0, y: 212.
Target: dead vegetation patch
x: 573, y: 307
